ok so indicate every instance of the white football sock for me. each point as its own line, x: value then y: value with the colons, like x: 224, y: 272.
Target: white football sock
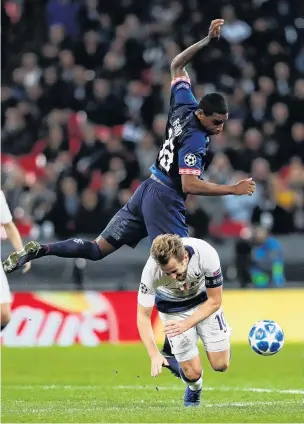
x: 197, y: 385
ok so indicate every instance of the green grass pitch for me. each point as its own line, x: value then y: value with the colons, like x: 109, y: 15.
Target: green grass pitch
x: 113, y: 384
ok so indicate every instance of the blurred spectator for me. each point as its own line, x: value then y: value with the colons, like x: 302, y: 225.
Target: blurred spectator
x: 243, y: 248
x: 197, y: 219
x: 65, y: 208
x: 64, y: 12
x: 239, y: 208
x: 56, y: 143
x: 253, y: 149
x: 267, y: 267
x: 109, y: 194
x: 103, y: 107
x: 297, y: 135
x: 276, y: 218
x: 235, y: 30
x: 90, y: 218
x: 17, y: 138
x: 146, y: 154
x: 86, y: 91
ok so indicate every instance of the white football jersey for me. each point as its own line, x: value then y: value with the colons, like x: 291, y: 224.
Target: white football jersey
x: 6, y: 215
x: 204, y: 270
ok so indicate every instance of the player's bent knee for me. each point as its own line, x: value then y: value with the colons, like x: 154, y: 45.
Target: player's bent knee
x: 220, y: 366
x: 192, y: 374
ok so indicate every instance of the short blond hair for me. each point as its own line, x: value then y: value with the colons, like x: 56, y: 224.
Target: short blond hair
x: 167, y: 246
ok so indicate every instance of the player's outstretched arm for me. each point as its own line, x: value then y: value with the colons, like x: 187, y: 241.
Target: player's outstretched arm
x: 193, y: 185
x: 180, y: 61
x: 147, y: 336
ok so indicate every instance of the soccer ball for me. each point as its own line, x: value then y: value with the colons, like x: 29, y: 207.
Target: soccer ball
x: 266, y: 337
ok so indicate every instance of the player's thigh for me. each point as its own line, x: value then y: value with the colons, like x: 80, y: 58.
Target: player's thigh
x: 184, y: 346
x: 219, y: 360
x: 215, y: 335
x: 127, y: 225
x: 163, y: 212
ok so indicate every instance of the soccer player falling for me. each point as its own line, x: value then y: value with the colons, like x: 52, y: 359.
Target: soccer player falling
x: 158, y: 205
x: 183, y: 279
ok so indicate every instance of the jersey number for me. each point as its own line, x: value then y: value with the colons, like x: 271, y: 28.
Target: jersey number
x: 221, y: 322
x: 166, y: 154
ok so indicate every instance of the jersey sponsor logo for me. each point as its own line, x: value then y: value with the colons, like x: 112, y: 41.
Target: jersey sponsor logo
x: 190, y: 159
x: 188, y: 171
x: 177, y: 127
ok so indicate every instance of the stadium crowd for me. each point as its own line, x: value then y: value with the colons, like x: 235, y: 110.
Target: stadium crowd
x: 85, y: 93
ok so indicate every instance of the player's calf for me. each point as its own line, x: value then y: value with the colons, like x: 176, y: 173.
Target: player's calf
x: 72, y: 248
x: 191, y: 373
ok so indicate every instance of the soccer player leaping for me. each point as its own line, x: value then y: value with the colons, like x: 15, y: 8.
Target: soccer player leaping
x: 158, y: 205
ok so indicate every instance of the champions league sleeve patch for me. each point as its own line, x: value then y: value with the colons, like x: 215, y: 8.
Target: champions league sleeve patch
x: 145, y: 290
x: 190, y: 159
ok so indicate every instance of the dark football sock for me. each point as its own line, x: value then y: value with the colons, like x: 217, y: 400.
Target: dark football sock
x: 173, y: 364
x: 72, y: 248
x: 167, y: 347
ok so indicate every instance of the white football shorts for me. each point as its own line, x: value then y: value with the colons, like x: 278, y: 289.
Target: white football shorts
x: 213, y: 331
x: 5, y: 294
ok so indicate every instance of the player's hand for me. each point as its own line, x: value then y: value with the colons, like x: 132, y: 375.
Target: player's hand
x: 175, y: 328
x: 244, y: 187
x: 26, y: 267
x: 157, y: 362
x: 215, y: 28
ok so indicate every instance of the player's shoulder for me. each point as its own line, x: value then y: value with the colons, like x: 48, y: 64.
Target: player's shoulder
x: 196, y: 137
x: 197, y: 243
x: 201, y: 248
x: 151, y: 270
x: 2, y: 197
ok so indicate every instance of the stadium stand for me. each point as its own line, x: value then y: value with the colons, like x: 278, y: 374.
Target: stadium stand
x: 85, y: 92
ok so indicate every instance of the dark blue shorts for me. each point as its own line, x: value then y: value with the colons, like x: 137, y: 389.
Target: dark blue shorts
x: 153, y: 209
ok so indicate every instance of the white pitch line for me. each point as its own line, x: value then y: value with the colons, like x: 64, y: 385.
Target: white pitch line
x: 104, y: 408
x: 152, y: 387
x: 222, y: 389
